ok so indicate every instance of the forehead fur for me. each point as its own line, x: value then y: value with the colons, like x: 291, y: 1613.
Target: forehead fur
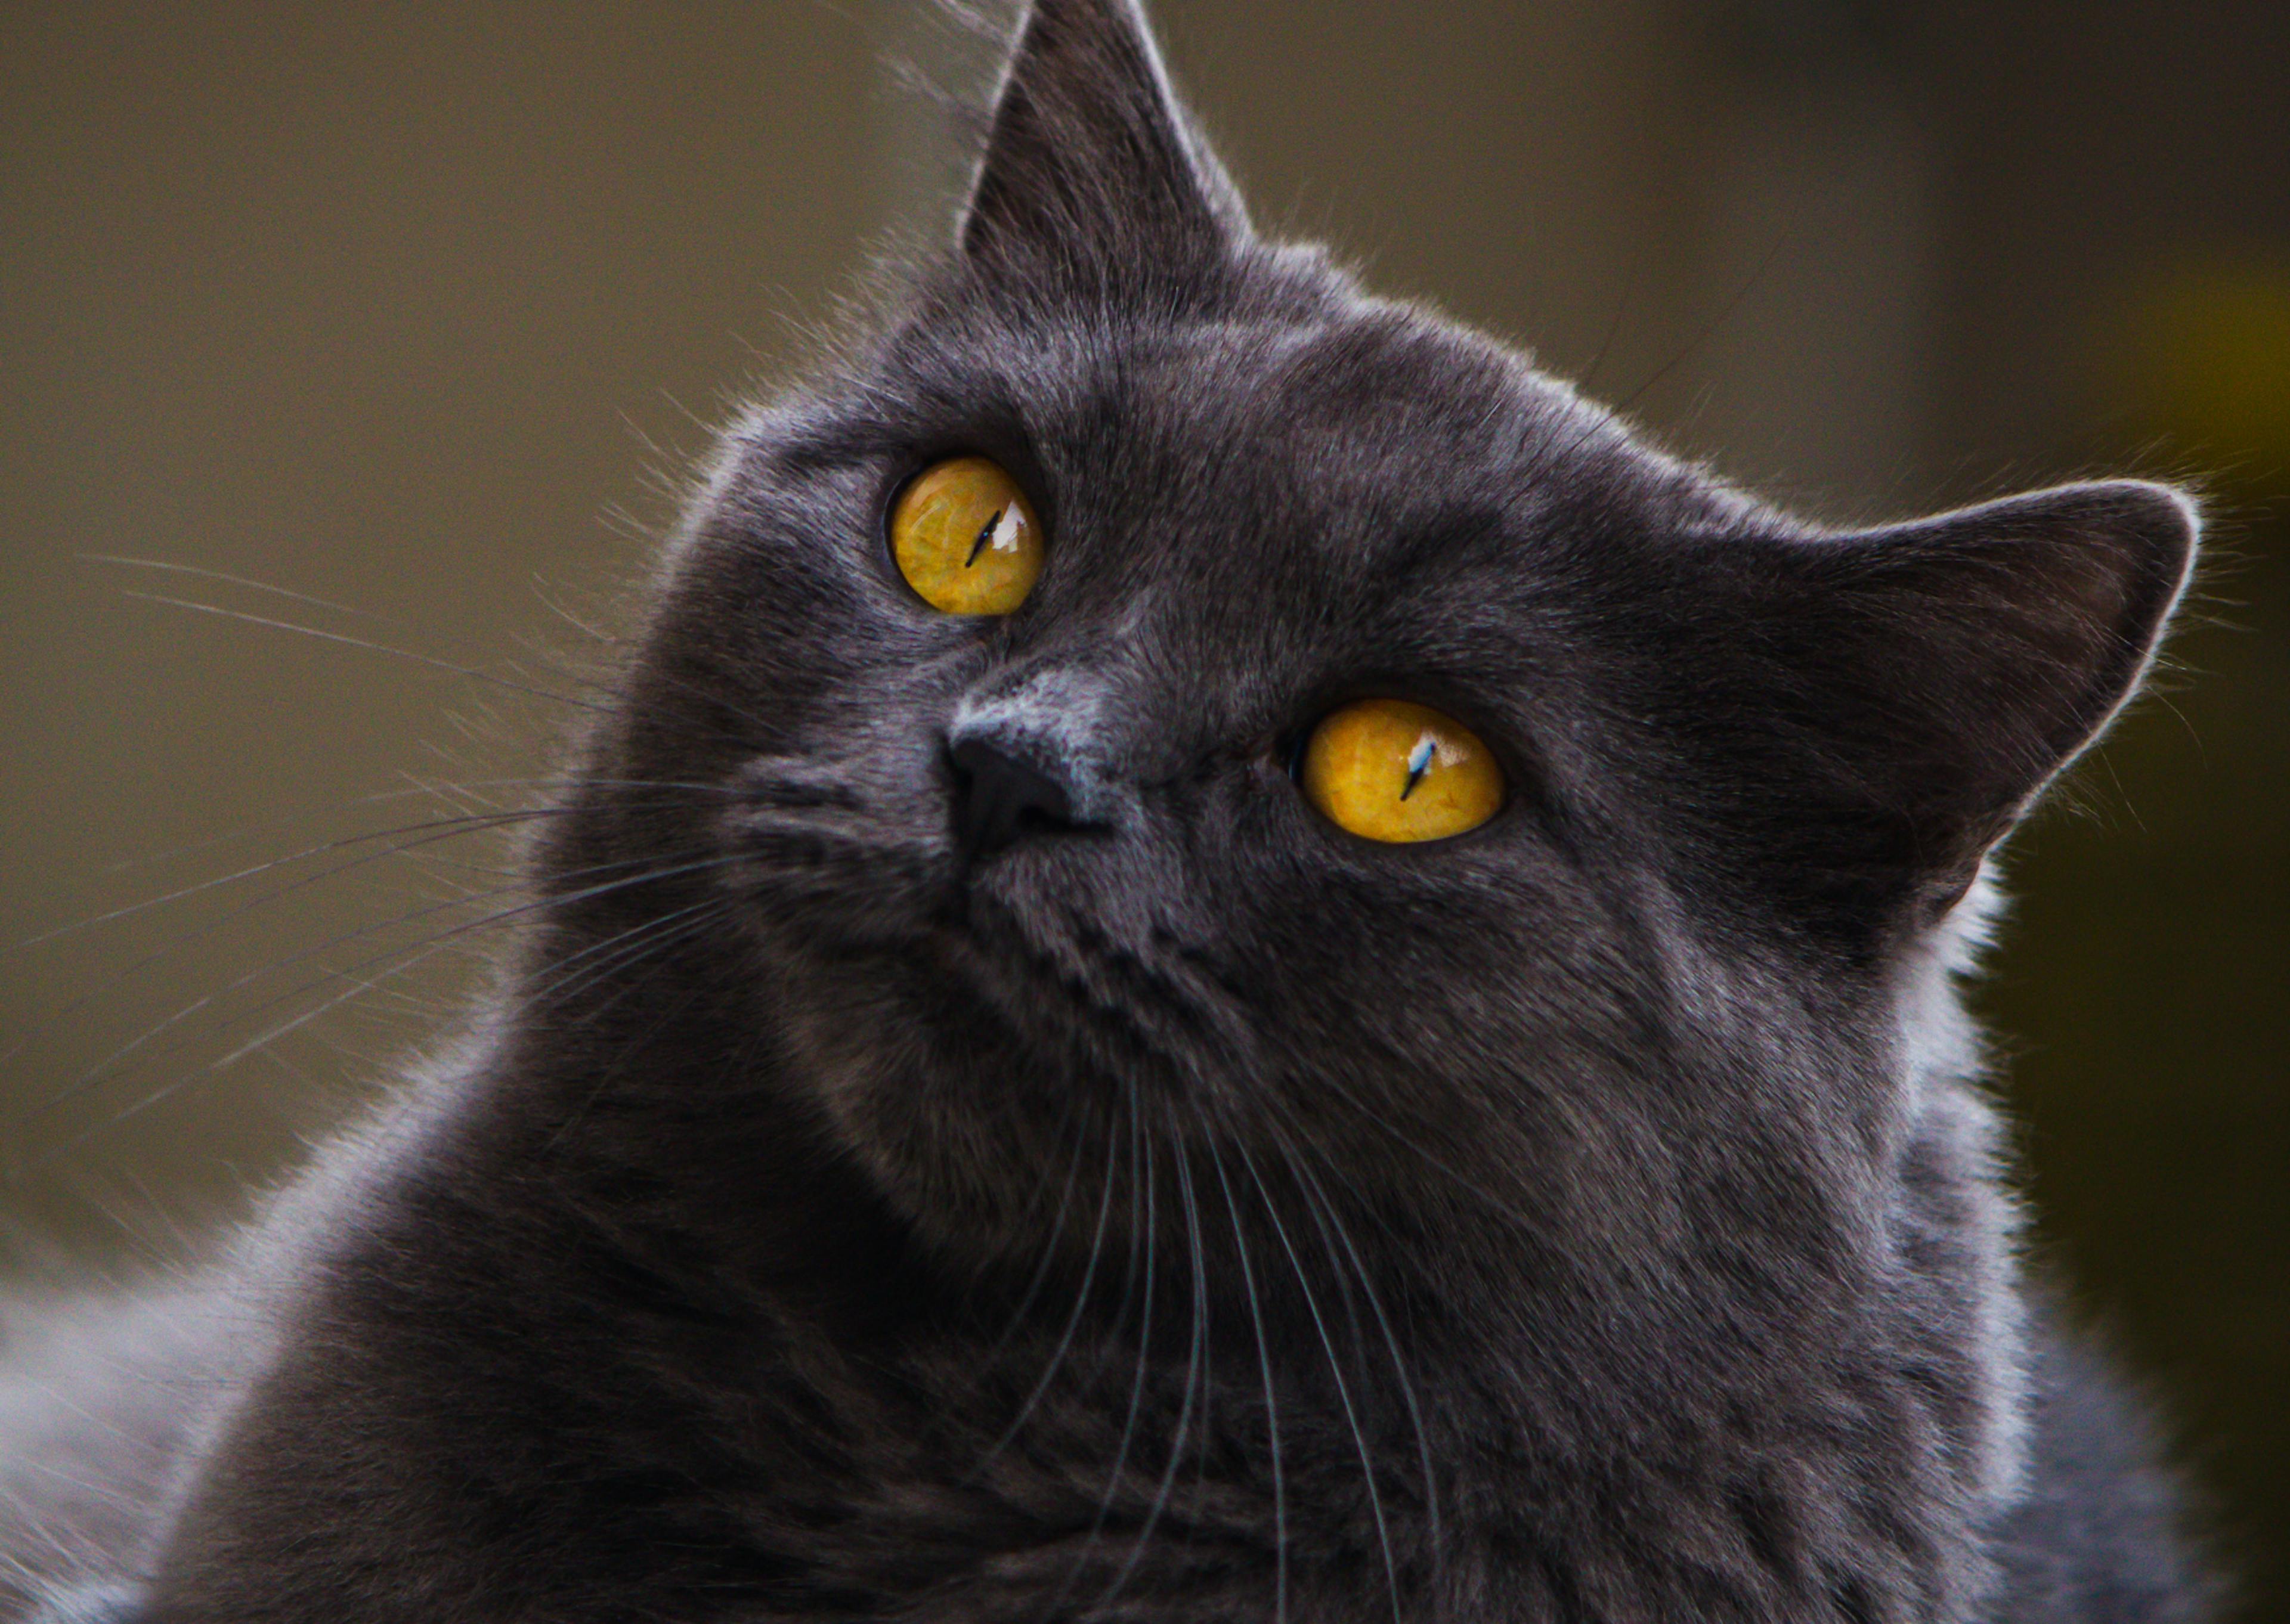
x: 1325, y: 427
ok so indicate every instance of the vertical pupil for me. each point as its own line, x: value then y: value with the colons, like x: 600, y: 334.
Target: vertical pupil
x: 1419, y: 762
x: 985, y: 534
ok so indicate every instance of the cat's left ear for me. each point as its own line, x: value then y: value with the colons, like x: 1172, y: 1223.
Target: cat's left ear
x: 1934, y: 677
x: 1094, y: 174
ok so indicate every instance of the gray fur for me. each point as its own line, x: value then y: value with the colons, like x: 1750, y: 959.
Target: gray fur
x: 1205, y: 1213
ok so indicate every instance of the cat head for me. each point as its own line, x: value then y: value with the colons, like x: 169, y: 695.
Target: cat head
x: 1021, y: 889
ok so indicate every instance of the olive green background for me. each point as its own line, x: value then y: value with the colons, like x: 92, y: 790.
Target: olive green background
x: 422, y: 310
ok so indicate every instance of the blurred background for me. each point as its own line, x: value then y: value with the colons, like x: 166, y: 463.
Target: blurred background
x: 419, y: 312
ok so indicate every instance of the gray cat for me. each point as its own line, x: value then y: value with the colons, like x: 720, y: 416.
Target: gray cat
x: 1225, y: 957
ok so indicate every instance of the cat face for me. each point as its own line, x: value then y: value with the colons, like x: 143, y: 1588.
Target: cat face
x: 1018, y: 882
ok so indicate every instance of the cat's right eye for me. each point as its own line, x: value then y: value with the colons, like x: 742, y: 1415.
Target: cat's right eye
x: 1396, y: 771
x: 965, y: 538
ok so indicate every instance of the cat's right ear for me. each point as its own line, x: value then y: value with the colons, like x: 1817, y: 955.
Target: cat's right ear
x: 1926, y: 681
x: 1093, y: 175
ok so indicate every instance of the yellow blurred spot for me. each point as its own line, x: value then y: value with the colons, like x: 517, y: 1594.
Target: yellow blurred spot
x: 2209, y: 360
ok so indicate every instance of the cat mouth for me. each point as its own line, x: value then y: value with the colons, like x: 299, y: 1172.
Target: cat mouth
x: 830, y: 867
x: 1143, y: 996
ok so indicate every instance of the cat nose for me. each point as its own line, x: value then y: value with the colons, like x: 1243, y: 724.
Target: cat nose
x: 1029, y: 758
x: 999, y: 797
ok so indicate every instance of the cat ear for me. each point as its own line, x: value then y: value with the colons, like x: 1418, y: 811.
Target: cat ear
x: 1092, y: 171
x: 1934, y: 676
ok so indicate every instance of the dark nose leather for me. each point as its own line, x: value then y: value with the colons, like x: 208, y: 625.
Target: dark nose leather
x: 997, y: 798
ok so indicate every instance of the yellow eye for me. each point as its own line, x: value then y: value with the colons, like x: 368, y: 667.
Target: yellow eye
x: 1396, y: 771
x: 966, y: 539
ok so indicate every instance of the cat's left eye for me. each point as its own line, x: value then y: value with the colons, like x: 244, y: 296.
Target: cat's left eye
x: 1397, y: 772
x: 965, y: 538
